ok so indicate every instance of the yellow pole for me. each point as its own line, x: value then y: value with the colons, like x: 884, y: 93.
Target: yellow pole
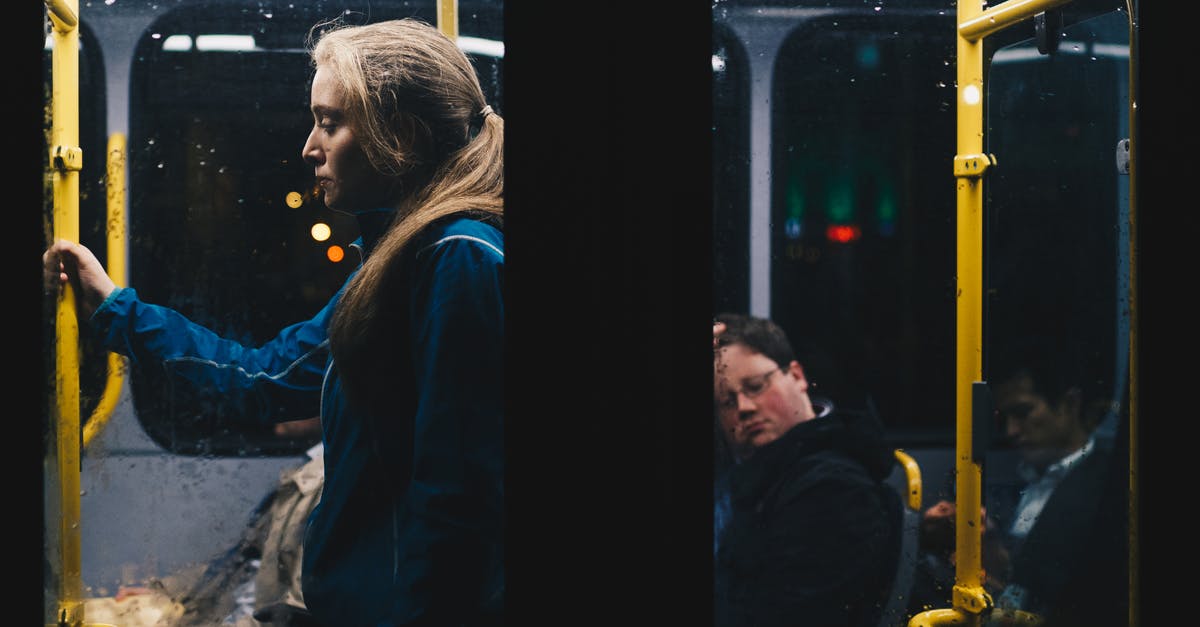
x: 66, y: 160
x: 447, y: 18
x: 115, y: 183
x: 968, y: 594
x: 970, y: 599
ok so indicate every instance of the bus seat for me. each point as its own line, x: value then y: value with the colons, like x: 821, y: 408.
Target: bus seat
x: 906, y: 479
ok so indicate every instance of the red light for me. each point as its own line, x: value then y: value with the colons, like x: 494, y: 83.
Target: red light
x: 842, y: 233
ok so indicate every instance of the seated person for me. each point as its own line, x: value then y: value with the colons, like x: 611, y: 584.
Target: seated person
x: 1067, y: 533
x: 934, y: 578
x: 808, y: 530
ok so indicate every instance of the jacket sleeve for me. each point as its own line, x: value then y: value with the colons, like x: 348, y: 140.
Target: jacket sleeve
x: 279, y: 380
x: 450, y: 540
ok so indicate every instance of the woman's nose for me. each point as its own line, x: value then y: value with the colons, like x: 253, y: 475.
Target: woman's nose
x: 310, y: 153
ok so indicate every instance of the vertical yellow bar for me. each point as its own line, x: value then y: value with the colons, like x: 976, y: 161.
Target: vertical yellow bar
x: 968, y: 317
x: 447, y: 17
x: 115, y: 183
x: 65, y: 162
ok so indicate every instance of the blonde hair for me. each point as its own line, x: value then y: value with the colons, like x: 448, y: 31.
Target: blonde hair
x: 420, y: 116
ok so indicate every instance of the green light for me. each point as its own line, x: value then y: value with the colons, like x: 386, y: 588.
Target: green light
x: 840, y: 206
x: 795, y: 195
x: 886, y: 211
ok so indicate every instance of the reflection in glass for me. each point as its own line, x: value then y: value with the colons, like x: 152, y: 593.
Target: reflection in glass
x: 1057, y: 322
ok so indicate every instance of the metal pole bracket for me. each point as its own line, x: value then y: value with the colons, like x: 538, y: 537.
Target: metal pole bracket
x: 973, y: 166
x: 971, y: 599
x: 64, y: 158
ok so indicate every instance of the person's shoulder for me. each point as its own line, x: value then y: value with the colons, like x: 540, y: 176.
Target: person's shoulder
x: 833, y: 465
x: 466, y: 231
x: 815, y: 462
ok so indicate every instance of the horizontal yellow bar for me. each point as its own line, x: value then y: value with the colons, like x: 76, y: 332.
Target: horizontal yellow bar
x: 938, y: 618
x: 64, y: 14
x: 1002, y: 16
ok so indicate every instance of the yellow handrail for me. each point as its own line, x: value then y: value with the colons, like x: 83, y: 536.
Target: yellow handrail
x: 447, y: 18
x: 117, y: 364
x: 1002, y: 16
x: 64, y: 11
x: 66, y: 159
x: 912, y: 472
x: 969, y: 598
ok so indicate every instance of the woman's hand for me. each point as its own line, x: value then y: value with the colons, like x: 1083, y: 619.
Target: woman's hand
x: 67, y: 261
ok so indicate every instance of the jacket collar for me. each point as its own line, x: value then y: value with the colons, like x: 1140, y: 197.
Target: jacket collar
x: 371, y: 227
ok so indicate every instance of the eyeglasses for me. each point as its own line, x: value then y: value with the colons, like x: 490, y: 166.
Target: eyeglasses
x: 751, y: 388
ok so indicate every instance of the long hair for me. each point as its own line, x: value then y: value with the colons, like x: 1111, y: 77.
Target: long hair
x: 418, y: 112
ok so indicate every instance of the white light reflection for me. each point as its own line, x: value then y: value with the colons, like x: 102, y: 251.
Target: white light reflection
x: 486, y: 47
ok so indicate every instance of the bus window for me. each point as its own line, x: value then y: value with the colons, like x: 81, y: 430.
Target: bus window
x: 225, y: 224
x: 862, y: 230
x: 731, y: 173
x: 1056, y: 341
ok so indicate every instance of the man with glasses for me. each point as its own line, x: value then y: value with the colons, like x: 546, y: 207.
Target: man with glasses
x: 807, y: 530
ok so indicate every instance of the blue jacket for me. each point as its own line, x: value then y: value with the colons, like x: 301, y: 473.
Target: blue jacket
x: 409, y: 527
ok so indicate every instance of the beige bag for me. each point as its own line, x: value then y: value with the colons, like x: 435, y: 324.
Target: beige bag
x: 278, y: 578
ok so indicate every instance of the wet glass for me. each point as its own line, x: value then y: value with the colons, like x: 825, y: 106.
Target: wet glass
x: 834, y: 215
x: 1057, y: 318
x: 226, y: 225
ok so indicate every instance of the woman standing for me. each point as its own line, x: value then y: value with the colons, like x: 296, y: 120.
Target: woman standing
x: 409, y: 529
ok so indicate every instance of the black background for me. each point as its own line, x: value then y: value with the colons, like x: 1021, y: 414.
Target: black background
x: 1167, y: 319
x: 608, y: 219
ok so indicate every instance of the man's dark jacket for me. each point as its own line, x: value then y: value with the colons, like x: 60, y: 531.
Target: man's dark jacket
x: 812, y: 536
